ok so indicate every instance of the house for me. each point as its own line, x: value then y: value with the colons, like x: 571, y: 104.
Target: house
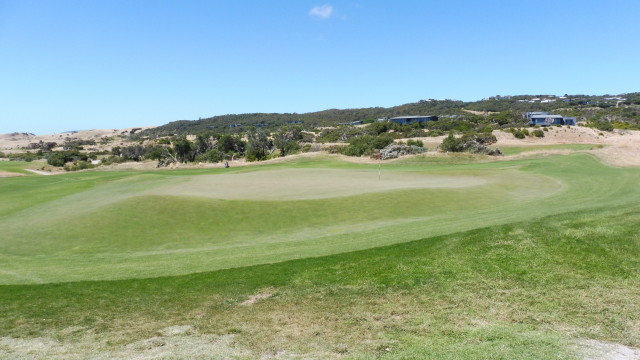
x: 546, y: 119
x: 530, y: 114
x: 408, y: 120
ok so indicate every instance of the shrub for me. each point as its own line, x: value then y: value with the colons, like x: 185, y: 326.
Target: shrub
x: 471, y: 142
x: 519, y: 133
x: 417, y: 143
x: 603, y: 125
x: 414, y: 133
x: 451, y: 144
x: 25, y: 156
x: 211, y: 156
x: 366, y: 144
x: 484, y: 138
x: 538, y: 133
x: 434, y: 133
x: 377, y: 128
x: 59, y: 158
x: 78, y: 165
x: 113, y: 159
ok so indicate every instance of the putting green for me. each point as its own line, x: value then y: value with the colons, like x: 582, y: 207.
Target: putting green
x: 305, y: 184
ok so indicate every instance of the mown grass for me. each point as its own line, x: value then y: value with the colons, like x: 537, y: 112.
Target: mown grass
x: 523, y: 290
x: 101, y: 225
x: 16, y: 167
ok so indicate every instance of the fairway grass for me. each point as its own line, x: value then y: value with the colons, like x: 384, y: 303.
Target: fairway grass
x: 117, y: 225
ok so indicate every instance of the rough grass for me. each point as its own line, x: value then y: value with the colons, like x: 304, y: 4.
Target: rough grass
x: 524, y: 290
x: 16, y: 167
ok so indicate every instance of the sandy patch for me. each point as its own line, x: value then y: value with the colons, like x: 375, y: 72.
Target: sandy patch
x: 15, y: 141
x: 602, y: 350
x: 258, y: 297
x: 4, y: 174
x: 304, y: 184
x: 169, y: 344
x: 620, y: 147
x: 40, y: 172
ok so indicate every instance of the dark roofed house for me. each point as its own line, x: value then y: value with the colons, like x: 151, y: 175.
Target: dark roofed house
x: 408, y: 120
x: 546, y: 119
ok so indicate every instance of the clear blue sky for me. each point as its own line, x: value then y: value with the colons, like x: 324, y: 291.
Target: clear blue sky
x: 88, y: 64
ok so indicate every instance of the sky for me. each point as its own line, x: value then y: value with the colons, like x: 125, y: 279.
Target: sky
x: 89, y: 64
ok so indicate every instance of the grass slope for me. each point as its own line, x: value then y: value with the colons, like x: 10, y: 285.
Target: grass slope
x: 524, y: 290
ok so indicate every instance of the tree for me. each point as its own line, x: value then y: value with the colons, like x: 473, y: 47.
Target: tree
x: 258, y: 145
x: 231, y: 144
x: 184, y: 149
x: 286, y: 139
x: 204, y: 142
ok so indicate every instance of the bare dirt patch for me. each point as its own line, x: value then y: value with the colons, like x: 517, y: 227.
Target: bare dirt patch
x: 168, y: 345
x: 40, y: 172
x: 602, y: 350
x: 618, y: 148
x: 258, y: 297
x: 4, y: 174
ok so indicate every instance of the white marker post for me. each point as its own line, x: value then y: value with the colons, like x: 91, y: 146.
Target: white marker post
x: 379, y: 160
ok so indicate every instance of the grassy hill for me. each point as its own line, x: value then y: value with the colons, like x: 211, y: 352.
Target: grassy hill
x: 517, y: 259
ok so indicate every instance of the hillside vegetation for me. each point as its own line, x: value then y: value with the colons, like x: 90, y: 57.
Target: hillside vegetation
x: 508, y: 110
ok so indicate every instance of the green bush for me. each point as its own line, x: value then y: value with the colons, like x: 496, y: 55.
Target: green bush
x: 484, y: 138
x: 25, y: 156
x: 520, y: 133
x: 602, y: 125
x: 367, y: 144
x: 538, y: 133
x: 414, y: 133
x: 434, y: 133
x: 78, y: 165
x: 59, y: 158
x: 452, y: 144
x: 113, y: 159
x: 211, y: 156
x: 417, y: 143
